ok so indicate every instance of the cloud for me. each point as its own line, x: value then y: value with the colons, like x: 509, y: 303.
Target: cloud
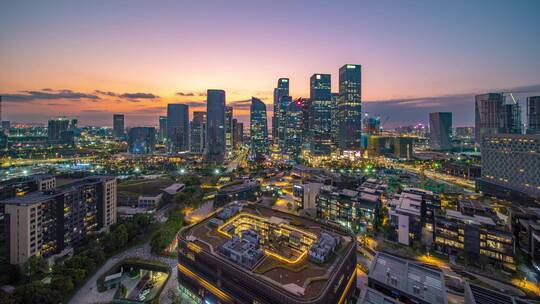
x: 185, y: 94
x: 47, y: 94
x: 195, y: 104
x: 138, y: 96
x: 107, y: 93
x: 202, y: 94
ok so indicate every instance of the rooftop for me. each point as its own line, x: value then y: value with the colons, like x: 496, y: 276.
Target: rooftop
x: 284, y: 264
x: 415, y: 280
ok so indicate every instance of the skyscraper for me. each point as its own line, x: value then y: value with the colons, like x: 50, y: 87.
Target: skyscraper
x: 162, y: 128
x: 440, y: 129
x: 228, y: 128
x: 215, y: 126
x: 238, y: 133
x: 198, y: 132
x: 56, y: 130
x: 258, y: 129
x: 494, y: 116
x: 141, y: 140
x: 178, y: 127
x: 293, y: 129
x: 350, y: 107
x: 278, y: 120
x: 533, y: 115
x: 320, y: 114
x: 118, y: 125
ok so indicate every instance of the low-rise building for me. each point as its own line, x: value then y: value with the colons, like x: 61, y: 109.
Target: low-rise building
x: 249, y: 190
x: 148, y: 200
x: 475, y: 294
x: 305, y: 195
x: 406, y: 281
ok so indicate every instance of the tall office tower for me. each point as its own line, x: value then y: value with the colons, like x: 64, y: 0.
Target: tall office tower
x: 371, y: 124
x: 141, y: 140
x: 293, y: 130
x: 198, y: 132
x: 118, y: 125
x: 162, y: 128
x: 56, y: 130
x: 238, y: 133
x: 510, y: 165
x: 178, y: 127
x: 335, y: 119
x: 215, y: 126
x: 228, y: 128
x: 74, y: 124
x: 494, y: 116
x: 440, y: 129
x: 6, y: 126
x: 533, y: 115
x: 350, y: 107
x: 320, y: 139
x: 49, y: 222
x: 278, y: 120
x: 258, y: 129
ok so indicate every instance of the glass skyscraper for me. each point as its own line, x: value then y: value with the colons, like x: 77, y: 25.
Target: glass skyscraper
x: 228, y: 128
x: 215, y: 126
x: 533, y: 115
x: 141, y: 140
x: 118, y: 125
x: 178, y: 127
x: 198, y: 132
x: 350, y: 107
x: 280, y: 105
x: 162, y: 128
x: 258, y: 129
x: 320, y: 114
x: 494, y: 116
x: 294, y: 129
x: 440, y: 129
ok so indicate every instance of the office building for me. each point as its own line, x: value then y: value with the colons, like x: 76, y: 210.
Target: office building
x: 229, y: 129
x: 494, y: 116
x: 406, y: 281
x: 510, y: 165
x: 238, y: 133
x: 294, y: 119
x: 321, y: 109
x: 371, y: 124
x: 178, y: 127
x: 440, y: 130
x: 403, y: 147
x: 258, y: 129
x: 162, y: 135
x: 350, y: 107
x: 118, y: 125
x: 278, y: 120
x: 464, y: 132
x: 48, y: 223
x: 141, y: 140
x: 533, y: 115
x: 57, y: 131
x: 6, y: 127
x: 227, y: 256
x: 215, y: 126
x: 198, y: 132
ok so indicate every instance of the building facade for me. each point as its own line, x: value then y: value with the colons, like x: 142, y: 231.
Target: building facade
x: 350, y: 107
x: 162, y: 128
x: 118, y: 125
x: 141, y: 140
x: 278, y: 120
x: 229, y: 144
x: 178, y: 127
x: 198, y: 132
x: 440, y: 130
x: 258, y: 129
x: 321, y: 110
x: 215, y: 126
x: 293, y: 130
x: 533, y: 115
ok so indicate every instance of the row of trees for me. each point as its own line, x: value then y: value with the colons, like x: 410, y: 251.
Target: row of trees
x: 68, y: 275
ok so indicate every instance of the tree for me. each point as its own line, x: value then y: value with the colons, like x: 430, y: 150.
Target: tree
x: 63, y: 283
x: 32, y: 266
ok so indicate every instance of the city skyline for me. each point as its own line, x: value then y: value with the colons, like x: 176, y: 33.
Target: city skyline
x: 94, y: 67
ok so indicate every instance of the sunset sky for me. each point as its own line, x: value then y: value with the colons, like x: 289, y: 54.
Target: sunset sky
x: 90, y: 59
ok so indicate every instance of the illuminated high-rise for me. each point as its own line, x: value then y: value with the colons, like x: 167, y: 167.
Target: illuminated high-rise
x: 321, y: 109
x: 533, y: 115
x: 215, y: 126
x: 198, y: 132
x: 350, y: 107
x: 294, y: 129
x: 229, y: 128
x: 278, y: 120
x: 118, y: 125
x: 141, y: 140
x: 440, y: 130
x: 178, y: 127
x: 258, y: 129
x: 162, y: 128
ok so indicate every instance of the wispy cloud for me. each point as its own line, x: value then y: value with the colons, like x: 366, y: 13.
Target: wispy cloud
x: 190, y: 94
x: 138, y: 96
x: 47, y: 94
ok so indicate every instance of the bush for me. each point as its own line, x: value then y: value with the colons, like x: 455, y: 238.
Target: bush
x: 165, y: 234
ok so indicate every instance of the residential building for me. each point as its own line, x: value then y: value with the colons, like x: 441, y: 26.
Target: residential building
x: 198, y: 132
x: 440, y: 130
x: 350, y: 107
x: 141, y: 140
x: 258, y: 129
x: 510, y: 165
x: 215, y: 126
x: 118, y: 125
x: 49, y: 222
x: 178, y: 127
